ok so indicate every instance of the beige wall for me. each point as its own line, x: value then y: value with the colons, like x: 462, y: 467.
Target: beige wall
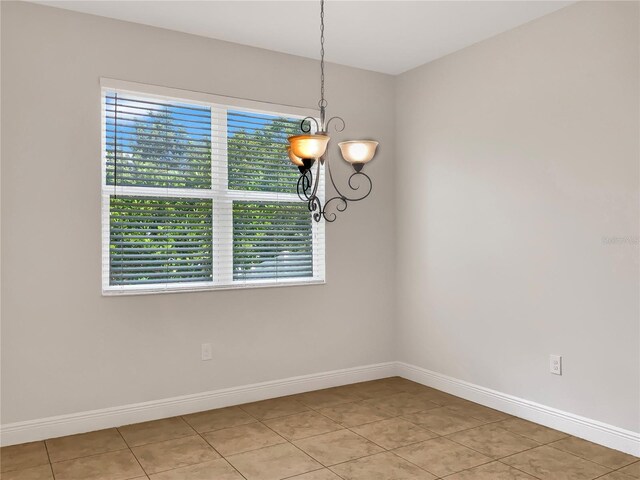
x: 516, y: 158
x: 65, y: 348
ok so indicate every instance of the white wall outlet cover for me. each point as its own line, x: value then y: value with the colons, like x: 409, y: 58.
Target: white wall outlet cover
x: 555, y: 364
x: 207, y: 353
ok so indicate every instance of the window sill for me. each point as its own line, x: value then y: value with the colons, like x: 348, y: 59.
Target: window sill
x: 207, y: 287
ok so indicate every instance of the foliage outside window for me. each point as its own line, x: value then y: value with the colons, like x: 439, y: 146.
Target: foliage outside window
x: 201, y: 195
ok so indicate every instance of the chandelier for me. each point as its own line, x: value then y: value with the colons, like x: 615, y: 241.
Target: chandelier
x: 309, y: 149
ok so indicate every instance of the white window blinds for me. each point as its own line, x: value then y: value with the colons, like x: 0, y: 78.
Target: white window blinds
x: 159, y: 144
x: 160, y: 240
x: 198, y: 193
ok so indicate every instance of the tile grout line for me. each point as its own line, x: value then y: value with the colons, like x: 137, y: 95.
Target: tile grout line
x: 550, y: 444
x: 618, y: 469
x: 499, y: 459
x: 46, y: 448
x: 290, y: 442
x: 393, y: 453
x: 533, y: 448
x: 557, y: 449
x: 91, y: 454
x: 214, y: 449
x: 439, y: 436
x: 518, y: 469
x: 196, y: 433
x: 132, y: 453
x: 137, y: 460
x: 300, y: 449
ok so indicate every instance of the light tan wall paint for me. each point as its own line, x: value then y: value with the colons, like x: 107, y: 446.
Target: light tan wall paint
x: 516, y: 158
x: 65, y: 348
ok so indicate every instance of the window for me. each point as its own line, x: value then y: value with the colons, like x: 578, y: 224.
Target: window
x: 198, y: 193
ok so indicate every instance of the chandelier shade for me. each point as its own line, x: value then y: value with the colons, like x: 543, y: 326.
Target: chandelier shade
x: 310, y: 146
x: 297, y: 161
x: 358, y: 151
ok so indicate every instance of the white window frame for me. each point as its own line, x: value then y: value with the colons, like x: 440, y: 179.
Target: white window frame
x: 219, y: 193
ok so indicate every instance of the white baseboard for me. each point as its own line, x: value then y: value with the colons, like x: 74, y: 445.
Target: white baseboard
x: 592, y: 430
x: 58, y: 426
x: 51, y: 427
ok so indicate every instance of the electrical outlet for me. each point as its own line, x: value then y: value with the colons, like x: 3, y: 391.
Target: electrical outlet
x: 206, y: 351
x: 555, y: 364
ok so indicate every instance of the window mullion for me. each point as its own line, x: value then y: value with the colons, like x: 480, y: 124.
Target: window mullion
x: 127, y: 190
x: 259, y: 196
x: 222, y: 205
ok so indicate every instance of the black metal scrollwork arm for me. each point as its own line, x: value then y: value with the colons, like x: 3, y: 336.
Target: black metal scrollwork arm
x: 305, y: 182
x: 315, y: 206
x: 305, y: 124
x: 353, y: 187
x: 341, y: 206
x: 339, y: 202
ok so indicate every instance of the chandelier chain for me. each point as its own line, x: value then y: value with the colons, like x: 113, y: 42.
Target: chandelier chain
x: 323, y: 102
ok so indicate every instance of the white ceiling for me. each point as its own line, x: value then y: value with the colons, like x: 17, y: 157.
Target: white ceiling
x: 384, y: 36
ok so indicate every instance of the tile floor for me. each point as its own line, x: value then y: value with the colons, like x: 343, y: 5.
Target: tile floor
x: 389, y: 429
